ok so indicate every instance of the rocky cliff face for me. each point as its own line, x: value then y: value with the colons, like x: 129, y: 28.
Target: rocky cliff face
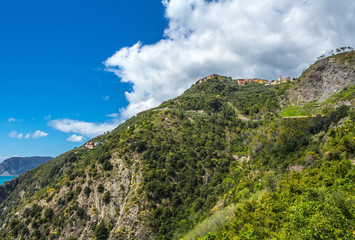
x: 7, y: 188
x: 123, y: 211
x: 108, y: 197
x: 324, y: 78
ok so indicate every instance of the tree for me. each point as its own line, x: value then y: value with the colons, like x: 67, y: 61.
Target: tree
x: 100, y: 188
x: 107, y: 197
x: 48, y: 214
x: 87, y: 191
x: 101, y: 232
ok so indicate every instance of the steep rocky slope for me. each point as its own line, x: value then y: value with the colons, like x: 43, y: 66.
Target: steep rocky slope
x: 324, y: 78
x: 217, y: 162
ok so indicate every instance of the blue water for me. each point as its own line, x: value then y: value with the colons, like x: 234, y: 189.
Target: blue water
x: 5, y: 179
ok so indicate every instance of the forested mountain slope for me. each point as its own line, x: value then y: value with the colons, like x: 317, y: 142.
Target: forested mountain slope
x: 221, y: 161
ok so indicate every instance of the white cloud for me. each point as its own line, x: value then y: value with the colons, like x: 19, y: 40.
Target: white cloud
x: 36, y: 134
x: 88, y: 129
x: 112, y: 115
x: 75, y: 138
x: 237, y: 38
x: 105, y: 98
x: 11, y: 120
x: 14, y: 134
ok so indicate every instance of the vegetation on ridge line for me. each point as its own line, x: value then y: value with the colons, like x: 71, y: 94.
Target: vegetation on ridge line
x: 195, y: 167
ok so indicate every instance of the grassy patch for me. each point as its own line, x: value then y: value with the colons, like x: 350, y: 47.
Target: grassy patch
x: 212, y: 223
x: 347, y: 58
x: 347, y: 93
x: 306, y: 110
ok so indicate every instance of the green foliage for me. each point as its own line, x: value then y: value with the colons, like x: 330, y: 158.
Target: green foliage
x: 81, y: 213
x: 87, y: 191
x: 214, y: 163
x: 254, y: 100
x: 347, y: 58
x: 209, y: 236
x: 34, y: 212
x: 293, y: 111
x: 48, y: 214
x: 101, y: 231
x: 212, y: 224
x: 341, y: 142
x: 100, y: 188
x: 107, y: 166
x: 36, y: 234
x: 107, y: 197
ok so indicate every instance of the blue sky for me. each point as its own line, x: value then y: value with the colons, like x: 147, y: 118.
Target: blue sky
x: 73, y: 69
x: 51, y: 65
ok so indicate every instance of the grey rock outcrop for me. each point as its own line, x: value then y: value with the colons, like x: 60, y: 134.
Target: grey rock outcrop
x: 323, y: 79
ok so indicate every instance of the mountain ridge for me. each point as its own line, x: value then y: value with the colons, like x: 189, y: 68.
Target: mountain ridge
x: 193, y: 168
x: 15, y: 166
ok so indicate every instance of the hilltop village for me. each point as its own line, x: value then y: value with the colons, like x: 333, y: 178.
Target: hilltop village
x: 253, y: 80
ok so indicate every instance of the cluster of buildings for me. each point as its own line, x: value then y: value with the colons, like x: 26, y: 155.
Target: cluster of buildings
x: 265, y: 82
x: 253, y: 80
x: 208, y: 77
x: 91, y: 144
x: 282, y: 80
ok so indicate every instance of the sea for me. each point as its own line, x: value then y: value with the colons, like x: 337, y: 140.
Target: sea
x: 5, y: 179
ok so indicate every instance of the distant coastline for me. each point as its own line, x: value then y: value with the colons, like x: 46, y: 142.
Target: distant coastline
x: 5, y: 174
x: 4, y: 179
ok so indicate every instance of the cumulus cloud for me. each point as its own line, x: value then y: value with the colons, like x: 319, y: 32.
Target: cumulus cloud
x: 112, y: 115
x: 75, y: 138
x: 237, y: 38
x: 14, y: 134
x: 36, y: 134
x: 88, y: 129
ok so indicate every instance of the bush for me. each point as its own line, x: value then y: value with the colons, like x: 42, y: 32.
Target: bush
x: 70, y: 196
x: 101, y: 232
x: 107, y: 166
x: 104, y: 156
x: 100, y: 188
x: 36, y: 234
x: 48, y: 214
x: 107, y: 197
x: 87, y: 191
x: 78, y: 190
x: 80, y: 212
x: 209, y: 236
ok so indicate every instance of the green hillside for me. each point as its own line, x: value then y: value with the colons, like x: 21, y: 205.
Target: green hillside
x: 221, y: 161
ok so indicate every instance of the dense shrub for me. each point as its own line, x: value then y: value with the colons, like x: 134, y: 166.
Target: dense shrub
x: 101, y: 231
x: 107, y: 166
x: 48, y: 214
x: 100, y: 188
x: 87, y: 191
x: 107, y: 197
